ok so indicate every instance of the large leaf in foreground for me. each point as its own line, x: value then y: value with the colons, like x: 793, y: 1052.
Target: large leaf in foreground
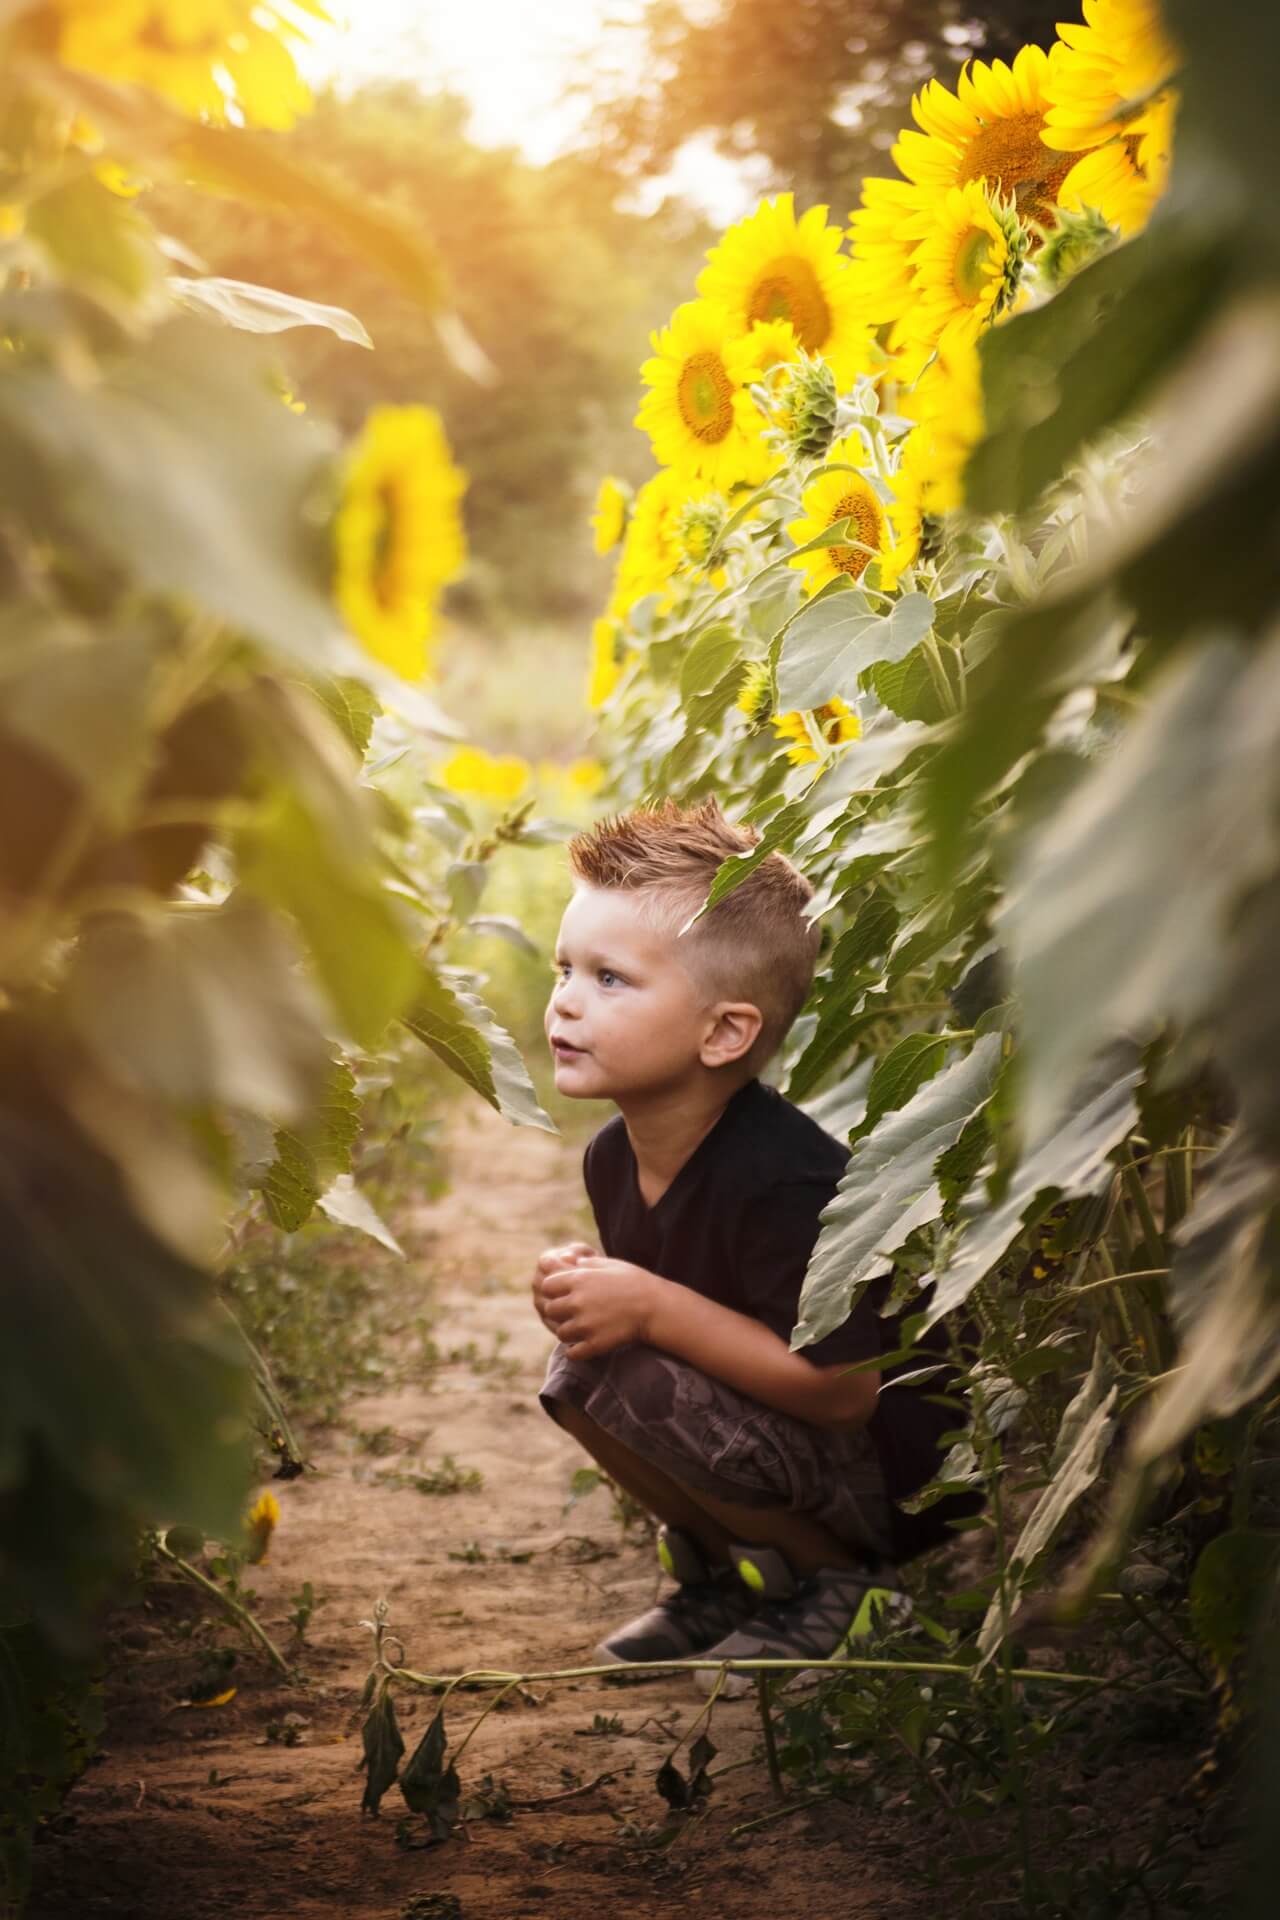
x: 1069, y: 1159
x: 263, y: 309
x: 202, y: 1008
x: 888, y: 1189
x: 1118, y: 909
x: 116, y: 1371
x: 461, y: 1031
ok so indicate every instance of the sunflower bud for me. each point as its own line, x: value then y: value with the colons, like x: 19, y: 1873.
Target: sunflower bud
x: 809, y: 408
x: 755, y: 695
x: 1076, y: 239
x: 700, y: 525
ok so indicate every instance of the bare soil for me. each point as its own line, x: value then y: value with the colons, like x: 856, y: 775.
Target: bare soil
x: 210, y: 1812
x: 202, y: 1812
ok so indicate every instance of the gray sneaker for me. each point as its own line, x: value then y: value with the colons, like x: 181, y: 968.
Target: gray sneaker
x: 819, y: 1616
x: 708, y: 1603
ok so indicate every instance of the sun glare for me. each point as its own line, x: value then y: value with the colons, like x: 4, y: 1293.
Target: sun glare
x: 521, y: 68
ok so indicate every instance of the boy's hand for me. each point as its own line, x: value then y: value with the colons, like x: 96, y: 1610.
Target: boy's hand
x: 597, y: 1304
x: 554, y: 1260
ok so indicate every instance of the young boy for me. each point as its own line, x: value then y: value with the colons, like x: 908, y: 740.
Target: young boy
x: 773, y: 1473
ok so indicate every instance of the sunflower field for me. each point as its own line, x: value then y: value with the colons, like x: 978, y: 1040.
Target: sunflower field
x: 957, y: 577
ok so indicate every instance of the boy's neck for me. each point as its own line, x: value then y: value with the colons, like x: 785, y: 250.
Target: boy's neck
x: 666, y: 1128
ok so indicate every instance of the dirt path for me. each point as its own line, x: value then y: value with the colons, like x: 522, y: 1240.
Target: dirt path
x: 204, y: 1813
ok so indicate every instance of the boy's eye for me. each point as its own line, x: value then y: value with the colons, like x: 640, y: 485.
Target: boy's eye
x: 606, y: 975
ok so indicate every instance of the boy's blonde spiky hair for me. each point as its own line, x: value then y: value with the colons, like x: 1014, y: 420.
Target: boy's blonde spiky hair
x: 756, y: 945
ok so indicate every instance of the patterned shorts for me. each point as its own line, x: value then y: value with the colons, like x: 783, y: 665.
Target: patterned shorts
x: 719, y: 1441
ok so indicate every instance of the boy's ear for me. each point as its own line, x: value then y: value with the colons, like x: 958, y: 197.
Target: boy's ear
x: 736, y: 1028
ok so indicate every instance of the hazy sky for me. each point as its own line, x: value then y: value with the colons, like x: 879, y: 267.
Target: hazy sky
x: 516, y: 62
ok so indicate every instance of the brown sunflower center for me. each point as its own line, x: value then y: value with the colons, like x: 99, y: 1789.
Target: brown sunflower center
x: 867, y: 530
x: 386, y: 580
x: 1011, y: 157
x: 968, y: 274
x: 830, y: 719
x: 704, y: 394
x: 1008, y: 153
x: 788, y: 289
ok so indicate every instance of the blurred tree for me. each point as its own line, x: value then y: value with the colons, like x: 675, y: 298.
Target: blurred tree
x: 556, y: 285
x: 849, y: 67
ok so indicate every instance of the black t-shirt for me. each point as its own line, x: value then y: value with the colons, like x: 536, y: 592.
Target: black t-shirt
x: 738, y: 1224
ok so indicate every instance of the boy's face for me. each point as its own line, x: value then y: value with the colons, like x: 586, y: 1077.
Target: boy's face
x: 624, y: 1015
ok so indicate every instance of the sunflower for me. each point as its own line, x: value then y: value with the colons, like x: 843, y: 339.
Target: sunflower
x: 834, y: 722
x: 1123, y: 178
x: 610, y: 659
x: 946, y: 401
x: 652, y: 551
x: 213, y: 59
x: 755, y: 694
x: 988, y: 130
x: 397, y: 534
x: 260, y: 1523
x: 772, y: 266
x: 489, y: 777
x: 834, y: 496
x: 1111, y: 70
x: 886, y: 229
x: 966, y: 269
x: 609, y: 517
x: 698, y: 413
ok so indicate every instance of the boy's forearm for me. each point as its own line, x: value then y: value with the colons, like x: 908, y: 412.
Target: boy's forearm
x: 749, y: 1356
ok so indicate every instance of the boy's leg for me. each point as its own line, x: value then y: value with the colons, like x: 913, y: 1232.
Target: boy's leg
x: 664, y: 1497
x: 716, y: 1524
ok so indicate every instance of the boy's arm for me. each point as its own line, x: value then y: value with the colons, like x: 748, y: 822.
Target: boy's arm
x: 745, y: 1354
x: 599, y: 1304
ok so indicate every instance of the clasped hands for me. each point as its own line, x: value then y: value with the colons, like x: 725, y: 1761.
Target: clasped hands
x: 593, y: 1304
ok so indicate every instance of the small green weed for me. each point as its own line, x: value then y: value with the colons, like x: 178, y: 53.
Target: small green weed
x: 448, y: 1477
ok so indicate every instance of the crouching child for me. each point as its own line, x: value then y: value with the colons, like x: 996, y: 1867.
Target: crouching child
x: 774, y: 1475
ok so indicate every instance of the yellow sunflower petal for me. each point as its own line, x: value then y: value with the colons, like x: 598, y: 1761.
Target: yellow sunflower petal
x: 1121, y: 53
x: 698, y: 413
x: 609, y: 516
x: 966, y: 269
x: 213, y: 59
x: 840, y: 496
x: 398, y: 536
x: 772, y: 266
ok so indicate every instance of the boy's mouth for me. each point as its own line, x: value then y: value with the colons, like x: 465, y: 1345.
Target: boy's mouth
x: 563, y: 1050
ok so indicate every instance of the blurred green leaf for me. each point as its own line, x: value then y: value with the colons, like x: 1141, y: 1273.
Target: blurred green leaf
x: 96, y: 240
x: 116, y: 1371
x: 82, y: 694
x: 352, y: 929
x: 1119, y: 909
x: 1229, y: 1591
x: 1055, y: 377
x: 263, y: 309
x: 200, y: 1008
